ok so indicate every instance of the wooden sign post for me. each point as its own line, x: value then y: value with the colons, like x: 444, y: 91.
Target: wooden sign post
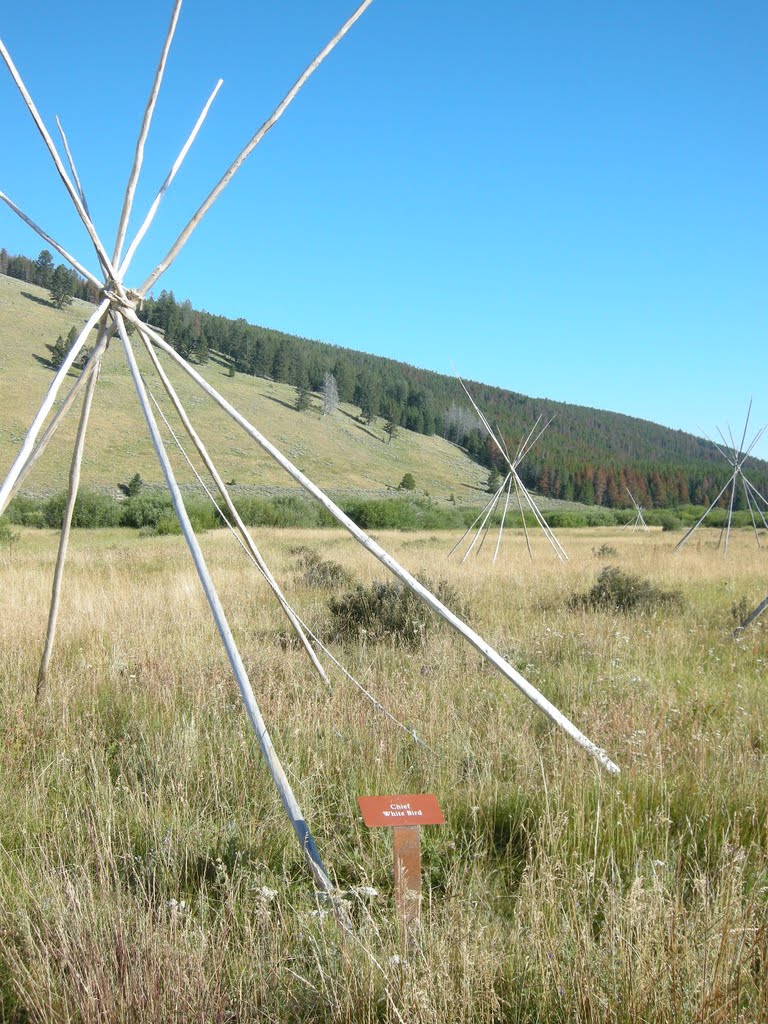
x: 404, y: 815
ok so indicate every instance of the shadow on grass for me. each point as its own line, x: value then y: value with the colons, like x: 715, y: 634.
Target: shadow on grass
x: 280, y: 401
x: 361, y: 426
x: 74, y: 371
x: 41, y: 302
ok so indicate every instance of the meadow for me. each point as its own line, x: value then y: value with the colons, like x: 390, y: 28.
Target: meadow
x: 147, y: 872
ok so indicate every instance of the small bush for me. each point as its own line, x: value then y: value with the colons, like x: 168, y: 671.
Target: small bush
x: 408, y: 483
x: 389, y: 611
x: 668, y: 522
x: 167, y: 525
x: 282, y: 512
x: 605, y: 551
x: 600, y: 517
x: 404, y: 514
x: 91, y: 510
x: 7, y: 535
x: 620, y: 591
x: 565, y: 519
x: 25, y: 511
x: 321, y: 573
x: 146, y: 509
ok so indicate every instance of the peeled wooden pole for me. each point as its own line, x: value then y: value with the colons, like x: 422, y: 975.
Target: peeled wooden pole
x: 166, y: 184
x: 473, y: 524
x: 730, y: 514
x: 53, y: 426
x: 276, y: 770
x: 72, y: 167
x: 66, y: 526
x: 235, y: 515
x: 73, y: 193
x: 756, y: 493
x: 51, y: 241
x: 522, y: 516
x: 45, y: 408
x: 548, y: 533
x: 138, y: 157
x: 688, y: 533
x: 753, y: 616
x: 504, y: 516
x: 488, y: 514
x: 751, y: 512
x: 386, y: 559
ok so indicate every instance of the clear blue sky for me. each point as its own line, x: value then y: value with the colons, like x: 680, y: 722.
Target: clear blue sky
x: 567, y: 200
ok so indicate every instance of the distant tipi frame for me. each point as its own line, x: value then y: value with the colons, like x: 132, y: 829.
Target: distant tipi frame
x: 638, y: 523
x: 509, y: 481
x: 116, y: 312
x: 736, y: 455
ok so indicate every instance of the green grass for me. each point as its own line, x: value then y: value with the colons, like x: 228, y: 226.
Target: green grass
x: 554, y: 893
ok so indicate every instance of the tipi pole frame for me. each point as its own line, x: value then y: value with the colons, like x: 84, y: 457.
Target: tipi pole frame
x: 735, y: 455
x: 524, y: 448
x: 507, y: 670
x: 276, y: 770
x: 235, y: 515
x: 638, y: 521
x: 66, y: 528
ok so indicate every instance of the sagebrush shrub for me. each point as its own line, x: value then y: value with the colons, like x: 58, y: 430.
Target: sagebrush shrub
x: 389, y: 611
x: 615, y: 590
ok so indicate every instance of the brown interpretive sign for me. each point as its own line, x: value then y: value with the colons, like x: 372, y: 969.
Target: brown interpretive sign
x: 391, y: 811
x: 404, y: 815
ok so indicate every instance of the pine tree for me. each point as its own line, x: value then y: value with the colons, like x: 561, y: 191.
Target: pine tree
x: 58, y: 352
x: 391, y: 427
x: 494, y: 481
x: 61, y: 288
x: 303, y: 395
x: 44, y: 268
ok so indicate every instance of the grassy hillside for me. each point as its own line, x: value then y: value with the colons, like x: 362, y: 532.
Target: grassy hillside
x: 337, y: 451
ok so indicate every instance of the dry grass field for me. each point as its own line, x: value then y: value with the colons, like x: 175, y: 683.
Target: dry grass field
x: 147, y: 872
